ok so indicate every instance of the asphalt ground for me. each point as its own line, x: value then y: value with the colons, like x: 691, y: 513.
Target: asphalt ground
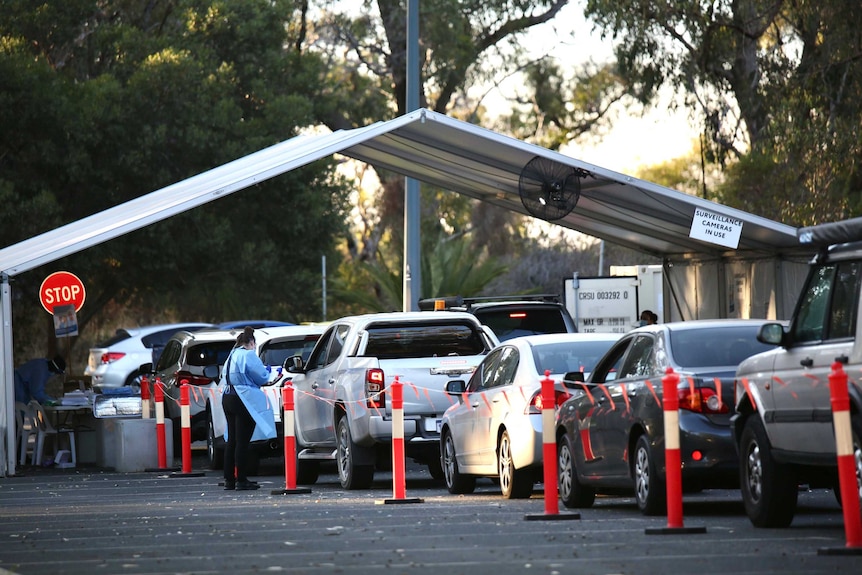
x: 90, y: 521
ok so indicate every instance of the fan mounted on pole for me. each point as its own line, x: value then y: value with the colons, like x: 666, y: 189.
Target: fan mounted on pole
x: 548, y: 189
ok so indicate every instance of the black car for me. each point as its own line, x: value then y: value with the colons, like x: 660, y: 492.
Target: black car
x: 511, y: 316
x: 610, y: 434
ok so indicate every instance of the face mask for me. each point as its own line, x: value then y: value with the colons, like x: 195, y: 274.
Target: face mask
x: 642, y: 322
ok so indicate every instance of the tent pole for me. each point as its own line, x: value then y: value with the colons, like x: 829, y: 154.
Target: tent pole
x: 8, y: 450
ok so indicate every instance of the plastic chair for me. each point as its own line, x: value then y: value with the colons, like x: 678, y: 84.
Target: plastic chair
x: 25, y: 427
x: 44, y: 428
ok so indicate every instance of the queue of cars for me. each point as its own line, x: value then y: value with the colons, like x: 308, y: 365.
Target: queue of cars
x: 753, y: 394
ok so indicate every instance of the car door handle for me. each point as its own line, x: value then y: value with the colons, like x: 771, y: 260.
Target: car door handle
x: 314, y: 385
x: 332, y: 381
x: 807, y: 362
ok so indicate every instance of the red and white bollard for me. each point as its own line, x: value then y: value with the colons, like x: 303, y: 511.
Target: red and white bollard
x: 160, y: 424
x: 186, y: 428
x: 290, y: 466
x: 672, y: 458
x: 847, y: 481
x: 186, y: 431
x: 145, y: 397
x: 549, y: 455
x: 399, y: 470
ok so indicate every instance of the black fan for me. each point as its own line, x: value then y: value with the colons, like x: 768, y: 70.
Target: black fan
x: 549, y: 190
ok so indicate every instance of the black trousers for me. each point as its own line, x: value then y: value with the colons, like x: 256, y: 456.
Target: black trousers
x: 240, y: 427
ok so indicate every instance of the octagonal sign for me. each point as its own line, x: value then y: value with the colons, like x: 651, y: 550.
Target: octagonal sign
x: 62, y: 288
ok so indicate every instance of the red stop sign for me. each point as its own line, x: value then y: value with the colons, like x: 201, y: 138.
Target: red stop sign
x: 62, y: 288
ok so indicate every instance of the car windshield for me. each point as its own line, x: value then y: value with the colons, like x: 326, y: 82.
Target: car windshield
x: 563, y: 357
x: 274, y: 353
x: 395, y: 341
x: 718, y: 346
x: 508, y: 323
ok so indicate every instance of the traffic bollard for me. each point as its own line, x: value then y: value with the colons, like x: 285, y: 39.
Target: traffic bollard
x: 848, y: 483
x: 290, y: 464
x: 399, y: 469
x: 549, y: 456
x: 672, y: 459
x: 145, y: 397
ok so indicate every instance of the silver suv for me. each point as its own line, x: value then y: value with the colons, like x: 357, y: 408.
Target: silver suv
x: 783, y: 426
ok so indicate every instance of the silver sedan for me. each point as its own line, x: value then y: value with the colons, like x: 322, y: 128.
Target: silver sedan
x: 494, y: 427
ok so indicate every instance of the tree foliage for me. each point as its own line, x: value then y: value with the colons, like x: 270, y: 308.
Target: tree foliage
x: 103, y: 101
x: 778, y: 86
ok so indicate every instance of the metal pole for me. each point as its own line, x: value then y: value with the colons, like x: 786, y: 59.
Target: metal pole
x: 412, y: 279
x: 9, y: 450
x: 323, y: 275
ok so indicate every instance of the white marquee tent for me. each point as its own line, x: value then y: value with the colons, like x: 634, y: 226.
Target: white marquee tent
x: 758, y: 277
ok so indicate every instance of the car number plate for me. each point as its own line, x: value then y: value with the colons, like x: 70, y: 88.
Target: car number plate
x: 433, y: 424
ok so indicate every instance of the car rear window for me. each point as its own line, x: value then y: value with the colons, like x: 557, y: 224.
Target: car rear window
x: 570, y: 356
x: 397, y: 341
x: 718, y: 346
x: 514, y: 322
x: 119, y: 336
x: 209, y: 353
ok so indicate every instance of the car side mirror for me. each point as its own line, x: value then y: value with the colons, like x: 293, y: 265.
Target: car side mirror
x: 145, y: 368
x: 293, y: 364
x: 456, y: 387
x: 211, y: 372
x: 572, y: 379
x: 771, y: 333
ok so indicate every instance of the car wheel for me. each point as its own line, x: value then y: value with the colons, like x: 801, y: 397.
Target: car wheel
x: 307, y: 470
x: 650, y: 491
x: 352, y: 476
x: 515, y: 483
x: 573, y: 494
x: 215, y: 445
x: 769, y: 489
x: 456, y: 483
x: 435, y: 469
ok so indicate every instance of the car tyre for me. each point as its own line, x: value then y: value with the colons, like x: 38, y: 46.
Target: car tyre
x: 351, y: 475
x: 572, y: 492
x: 456, y: 483
x: 769, y: 489
x: 215, y: 445
x: 307, y: 471
x: 650, y: 491
x: 515, y: 483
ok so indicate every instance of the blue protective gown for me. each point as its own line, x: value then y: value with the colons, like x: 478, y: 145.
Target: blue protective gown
x: 247, y: 374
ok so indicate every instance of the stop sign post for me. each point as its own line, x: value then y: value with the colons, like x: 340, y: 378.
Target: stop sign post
x: 62, y: 288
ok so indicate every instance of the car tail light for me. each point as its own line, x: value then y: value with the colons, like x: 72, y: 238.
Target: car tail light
x: 374, y: 385
x: 536, y: 403
x: 112, y: 356
x: 701, y: 400
x: 182, y: 377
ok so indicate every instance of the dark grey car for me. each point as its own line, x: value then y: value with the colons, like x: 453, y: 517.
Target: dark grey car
x: 610, y: 434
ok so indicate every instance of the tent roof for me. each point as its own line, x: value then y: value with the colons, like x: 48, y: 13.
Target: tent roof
x: 445, y: 152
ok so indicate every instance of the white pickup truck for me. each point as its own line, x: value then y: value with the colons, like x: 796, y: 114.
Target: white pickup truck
x: 343, y: 402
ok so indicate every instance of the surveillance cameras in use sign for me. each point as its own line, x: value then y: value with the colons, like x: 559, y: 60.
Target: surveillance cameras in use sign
x: 62, y: 289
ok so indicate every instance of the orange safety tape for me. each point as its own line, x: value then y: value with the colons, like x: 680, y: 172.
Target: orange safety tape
x: 718, y: 392
x: 652, y: 391
x: 587, y: 391
x: 747, y: 388
x: 691, y: 385
x: 485, y: 399
x: 506, y: 397
x: 626, y: 397
x: 779, y: 381
x: 813, y: 378
x: 608, y: 394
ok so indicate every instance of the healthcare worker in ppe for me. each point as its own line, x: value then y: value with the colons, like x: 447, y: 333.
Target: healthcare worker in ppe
x: 247, y: 410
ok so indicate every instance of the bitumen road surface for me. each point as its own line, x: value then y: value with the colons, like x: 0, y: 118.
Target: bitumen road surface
x: 91, y: 521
